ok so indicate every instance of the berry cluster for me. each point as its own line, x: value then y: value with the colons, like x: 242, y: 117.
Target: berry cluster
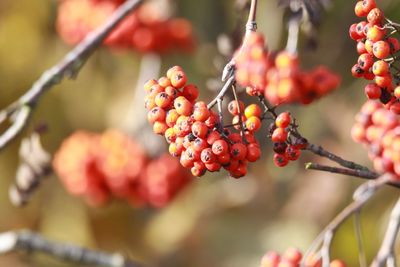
x: 378, y: 129
x: 376, y: 48
x: 292, y: 258
x: 285, y: 149
x: 278, y: 76
x: 194, y: 132
x: 98, y: 167
x: 145, y: 30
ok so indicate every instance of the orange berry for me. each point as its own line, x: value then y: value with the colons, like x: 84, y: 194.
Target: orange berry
x: 207, y: 156
x: 163, y: 100
x: 375, y: 16
x: 279, y: 135
x: 212, y: 120
x: 359, y: 9
x: 285, y: 60
x: 191, y: 92
x: 252, y: 110
x: 155, y: 89
x: 170, y: 135
x: 381, y: 49
x: 160, y: 127
x: 172, y: 92
x: 380, y: 68
x: 213, y: 167
x: 337, y: 263
x: 149, y: 102
x: 164, y: 82
x: 178, y: 79
x: 183, y: 106
x: 238, y: 151
x: 375, y: 33
x: 234, y: 108
x: 253, y: 152
x: 253, y: 124
x: 383, y: 81
x: 397, y: 92
x: 224, y: 159
x: 199, y: 129
x: 147, y: 86
x: 171, y: 117
x: 201, y: 114
x: 220, y: 147
x: 175, y: 150
x: 199, y: 144
x: 212, y: 137
x: 283, y: 120
x: 173, y: 69
x: 156, y: 114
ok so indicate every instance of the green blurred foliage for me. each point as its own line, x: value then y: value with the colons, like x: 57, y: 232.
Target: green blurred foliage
x: 217, y: 221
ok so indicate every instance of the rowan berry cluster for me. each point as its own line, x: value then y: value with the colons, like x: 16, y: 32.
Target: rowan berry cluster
x: 378, y: 129
x: 101, y: 166
x: 376, y: 48
x: 292, y: 258
x: 285, y: 150
x: 146, y: 30
x: 194, y: 132
x: 278, y: 76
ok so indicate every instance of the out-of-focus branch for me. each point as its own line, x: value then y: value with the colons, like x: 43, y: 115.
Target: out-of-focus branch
x: 31, y: 242
x: 386, y: 253
x: 20, y: 111
x: 361, y: 196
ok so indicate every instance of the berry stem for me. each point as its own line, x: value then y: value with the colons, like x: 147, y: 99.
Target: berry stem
x: 361, y: 197
x: 240, y: 114
x: 387, y: 250
x: 69, y: 67
x: 28, y: 241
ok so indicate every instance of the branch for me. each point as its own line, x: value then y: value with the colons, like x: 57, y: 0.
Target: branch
x: 320, y: 151
x: 222, y: 93
x: 69, y: 66
x: 32, y: 242
x: 387, y: 250
x: 361, y: 196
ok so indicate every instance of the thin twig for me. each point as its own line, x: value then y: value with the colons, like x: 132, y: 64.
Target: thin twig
x: 222, y: 93
x: 69, y: 66
x: 28, y: 241
x: 320, y: 151
x: 387, y: 252
x: 350, y: 172
x: 365, y: 192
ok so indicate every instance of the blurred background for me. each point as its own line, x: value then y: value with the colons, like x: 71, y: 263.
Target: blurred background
x: 216, y: 221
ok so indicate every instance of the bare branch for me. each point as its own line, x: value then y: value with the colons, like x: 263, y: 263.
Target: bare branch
x: 320, y: 151
x: 69, y: 66
x: 364, y: 193
x: 387, y: 252
x: 222, y: 93
x: 28, y: 241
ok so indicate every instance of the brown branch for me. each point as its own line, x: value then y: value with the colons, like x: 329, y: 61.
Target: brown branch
x: 69, y: 66
x: 28, y: 241
x: 350, y: 172
x: 320, y: 151
x: 387, y: 251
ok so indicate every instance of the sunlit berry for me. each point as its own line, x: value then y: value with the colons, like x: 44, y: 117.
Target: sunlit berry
x: 207, y: 156
x: 199, y: 129
x: 235, y: 107
x: 253, y: 124
x: 283, y: 120
x: 156, y: 114
x: 183, y: 106
x: 381, y: 49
